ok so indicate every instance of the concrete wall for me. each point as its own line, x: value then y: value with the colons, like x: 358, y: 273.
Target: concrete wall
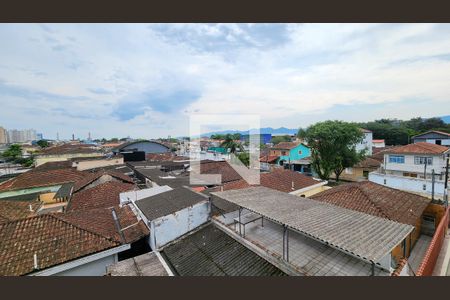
x: 42, y: 159
x: 366, y: 143
x: 95, y: 268
x: 147, y: 147
x: 97, y: 163
x: 168, y: 228
x: 410, y: 184
x: 409, y: 165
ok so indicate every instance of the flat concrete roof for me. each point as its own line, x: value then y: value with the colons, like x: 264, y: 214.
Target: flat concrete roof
x: 369, y: 237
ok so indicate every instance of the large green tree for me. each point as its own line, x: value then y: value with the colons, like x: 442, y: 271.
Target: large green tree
x: 332, y: 146
x: 42, y: 143
x: 281, y: 138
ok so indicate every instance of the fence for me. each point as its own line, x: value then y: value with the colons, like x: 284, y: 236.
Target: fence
x: 429, y: 261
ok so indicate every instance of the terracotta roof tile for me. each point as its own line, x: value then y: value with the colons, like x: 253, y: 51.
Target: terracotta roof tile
x: 101, y: 196
x: 377, y: 200
x: 280, y: 179
x: 268, y: 158
x: 53, y: 240
x: 219, y: 167
x: 91, y: 177
x: 419, y: 148
x: 101, y: 221
x: 15, y: 210
x: 368, y: 162
x: 39, y: 177
x: 286, y: 145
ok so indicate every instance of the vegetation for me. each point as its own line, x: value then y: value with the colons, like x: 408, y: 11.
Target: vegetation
x: 14, y: 154
x: 398, y: 132
x: 230, y: 143
x: 43, y: 143
x: 235, y: 136
x: 244, y: 157
x: 332, y: 146
x: 278, y: 139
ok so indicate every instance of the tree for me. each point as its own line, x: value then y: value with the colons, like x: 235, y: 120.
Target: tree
x: 13, y: 152
x: 230, y: 143
x: 278, y: 139
x: 244, y: 157
x: 42, y: 143
x: 347, y: 159
x: 332, y: 146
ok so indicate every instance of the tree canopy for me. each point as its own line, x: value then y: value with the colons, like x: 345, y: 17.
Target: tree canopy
x: 42, y: 143
x: 398, y: 132
x: 332, y: 146
x: 230, y: 143
x: 281, y: 138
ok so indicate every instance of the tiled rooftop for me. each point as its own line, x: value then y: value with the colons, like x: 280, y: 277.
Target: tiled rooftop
x: 419, y: 148
x: 14, y: 210
x: 377, y: 200
x: 53, y: 240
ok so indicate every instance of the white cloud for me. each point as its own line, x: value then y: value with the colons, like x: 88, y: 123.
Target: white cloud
x: 283, y: 72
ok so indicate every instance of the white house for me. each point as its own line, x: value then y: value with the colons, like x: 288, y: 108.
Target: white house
x: 433, y: 137
x: 410, y: 168
x: 366, y: 142
x: 378, y: 143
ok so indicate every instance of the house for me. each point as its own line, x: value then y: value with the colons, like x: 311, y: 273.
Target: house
x: 366, y: 143
x: 137, y: 150
x: 399, y: 206
x: 65, y: 152
x: 67, y: 244
x: 290, y: 154
x: 171, y: 214
x: 410, y: 168
x: 360, y: 171
x: 209, y: 251
x: 378, y: 144
x: 88, y: 163
x: 313, y: 237
x: 433, y: 137
x: 285, y: 181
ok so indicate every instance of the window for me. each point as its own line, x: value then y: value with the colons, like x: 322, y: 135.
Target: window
x: 366, y: 174
x: 438, y: 142
x: 300, y: 152
x: 421, y: 160
x: 284, y: 153
x: 398, y: 159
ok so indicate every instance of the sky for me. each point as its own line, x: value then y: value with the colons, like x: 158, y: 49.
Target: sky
x: 146, y: 80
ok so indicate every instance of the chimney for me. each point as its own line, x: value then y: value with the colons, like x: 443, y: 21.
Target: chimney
x: 292, y: 187
x: 31, y: 208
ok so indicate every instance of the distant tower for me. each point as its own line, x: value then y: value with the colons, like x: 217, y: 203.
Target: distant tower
x: 57, y: 136
x: 73, y: 137
x: 89, y: 136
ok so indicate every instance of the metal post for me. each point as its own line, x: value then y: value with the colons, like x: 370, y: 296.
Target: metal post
x: 284, y: 242
x: 240, y: 209
x: 287, y: 244
x: 432, y: 185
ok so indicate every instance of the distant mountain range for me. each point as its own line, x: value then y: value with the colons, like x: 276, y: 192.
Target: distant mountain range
x: 265, y: 130
x: 446, y: 119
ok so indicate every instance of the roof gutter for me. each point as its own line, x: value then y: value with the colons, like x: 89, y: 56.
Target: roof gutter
x: 82, y: 261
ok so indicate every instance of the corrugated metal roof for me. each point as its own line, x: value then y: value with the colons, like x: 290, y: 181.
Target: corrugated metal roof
x: 169, y: 202
x: 211, y: 252
x: 359, y: 234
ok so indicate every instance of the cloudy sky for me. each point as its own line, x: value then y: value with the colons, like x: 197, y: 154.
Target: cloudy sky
x: 141, y: 80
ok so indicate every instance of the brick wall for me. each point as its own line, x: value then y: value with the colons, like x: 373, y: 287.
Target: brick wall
x: 429, y: 261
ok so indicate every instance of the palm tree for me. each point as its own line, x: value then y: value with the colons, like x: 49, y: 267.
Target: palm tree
x: 230, y: 143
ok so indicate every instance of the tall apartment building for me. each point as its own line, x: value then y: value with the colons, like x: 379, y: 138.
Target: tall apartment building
x: 21, y: 136
x: 3, y: 136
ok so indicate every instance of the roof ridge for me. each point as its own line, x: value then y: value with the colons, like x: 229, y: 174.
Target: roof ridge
x: 81, y: 228
x: 369, y: 197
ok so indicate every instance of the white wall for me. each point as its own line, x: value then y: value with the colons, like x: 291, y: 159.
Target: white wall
x: 409, y: 165
x: 168, y: 228
x: 366, y: 143
x: 444, y: 142
x: 95, y: 268
x: 408, y: 184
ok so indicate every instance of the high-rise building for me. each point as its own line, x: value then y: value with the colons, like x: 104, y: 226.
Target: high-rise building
x: 21, y: 136
x: 3, y: 136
